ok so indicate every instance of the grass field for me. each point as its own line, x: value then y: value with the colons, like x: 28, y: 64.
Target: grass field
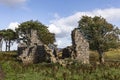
x: 111, y: 55
x: 14, y: 70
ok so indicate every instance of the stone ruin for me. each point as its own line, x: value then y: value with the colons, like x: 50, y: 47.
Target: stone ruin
x: 80, y: 46
x: 36, y: 51
x: 79, y: 50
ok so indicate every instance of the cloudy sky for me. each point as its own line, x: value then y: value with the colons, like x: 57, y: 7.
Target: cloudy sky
x: 61, y: 16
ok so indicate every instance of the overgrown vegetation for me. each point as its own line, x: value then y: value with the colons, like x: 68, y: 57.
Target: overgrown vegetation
x: 15, y: 70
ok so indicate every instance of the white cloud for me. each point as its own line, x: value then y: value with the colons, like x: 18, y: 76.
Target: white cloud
x: 58, y: 42
x: 62, y: 27
x: 62, y: 42
x: 13, y: 25
x: 54, y: 29
x: 12, y: 2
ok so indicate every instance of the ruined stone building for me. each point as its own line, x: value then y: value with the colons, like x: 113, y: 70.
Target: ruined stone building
x: 36, y: 51
x: 79, y: 50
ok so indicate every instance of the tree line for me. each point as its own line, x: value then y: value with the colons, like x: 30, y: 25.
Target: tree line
x: 21, y: 33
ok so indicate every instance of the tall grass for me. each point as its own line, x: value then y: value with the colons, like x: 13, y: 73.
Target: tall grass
x: 112, y: 55
x: 15, y: 70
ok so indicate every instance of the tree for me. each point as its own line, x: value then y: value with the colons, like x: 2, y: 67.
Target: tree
x: 1, y: 39
x: 100, y: 34
x: 9, y: 37
x: 24, y: 30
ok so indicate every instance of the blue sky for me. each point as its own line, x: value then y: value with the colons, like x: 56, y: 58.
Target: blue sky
x: 60, y: 15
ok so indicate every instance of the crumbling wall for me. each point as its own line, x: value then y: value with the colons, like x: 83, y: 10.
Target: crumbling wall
x: 80, y: 46
x: 36, y: 51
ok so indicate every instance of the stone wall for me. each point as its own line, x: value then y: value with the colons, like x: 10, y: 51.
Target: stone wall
x: 80, y: 46
x: 79, y: 51
x: 35, y: 51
